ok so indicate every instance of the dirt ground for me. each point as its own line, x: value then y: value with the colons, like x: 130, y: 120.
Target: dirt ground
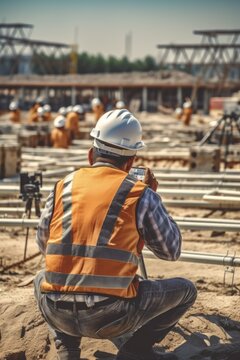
x: 205, y: 331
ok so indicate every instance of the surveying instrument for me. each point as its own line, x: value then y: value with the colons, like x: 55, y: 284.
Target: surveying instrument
x: 29, y: 193
x: 223, y: 133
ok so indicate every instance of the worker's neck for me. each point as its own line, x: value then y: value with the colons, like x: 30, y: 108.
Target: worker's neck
x: 105, y: 163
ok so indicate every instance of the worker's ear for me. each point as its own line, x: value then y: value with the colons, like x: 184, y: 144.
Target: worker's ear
x: 90, y: 156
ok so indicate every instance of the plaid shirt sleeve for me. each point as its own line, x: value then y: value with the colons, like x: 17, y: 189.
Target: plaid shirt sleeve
x: 159, y: 231
x: 43, y: 225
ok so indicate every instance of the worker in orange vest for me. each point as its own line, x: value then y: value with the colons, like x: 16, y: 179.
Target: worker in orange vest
x: 97, y: 108
x: 92, y: 232
x: 72, y: 121
x: 33, y: 114
x: 187, y: 111
x: 47, y: 116
x: 15, y: 113
x: 59, y: 135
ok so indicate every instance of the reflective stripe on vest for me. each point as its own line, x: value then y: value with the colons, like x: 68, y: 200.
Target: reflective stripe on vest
x: 66, y: 254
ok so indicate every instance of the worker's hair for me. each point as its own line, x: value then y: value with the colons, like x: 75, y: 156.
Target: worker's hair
x: 117, y: 160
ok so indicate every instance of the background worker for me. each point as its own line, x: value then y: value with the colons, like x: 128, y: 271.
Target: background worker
x: 97, y: 108
x: 62, y: 111
x: 47, y: 112
x: 187, y: 111
x: 92, y: 232
x: 15, y: 113
x: 72, y: 121
x: 59, y: 135
x: 120, y: 104
x: 33, y: 114
x: 40, y: 115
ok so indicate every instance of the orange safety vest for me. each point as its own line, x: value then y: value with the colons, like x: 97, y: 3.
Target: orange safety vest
x: 60, y: 138
x: 94, y: 244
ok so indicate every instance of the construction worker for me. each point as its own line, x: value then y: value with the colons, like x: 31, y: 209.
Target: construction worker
x: 62, y: 111
x: 72, y: 121
x: 120, y: 104
x: 47, y: 112
x: 97, y: 108
x: 14, y: 114
x: 32, y: 114
x: 40, y: 114
x: 178, y: 113
x: 59, y: 135
x: 187, y: 111
x: 92, y: 231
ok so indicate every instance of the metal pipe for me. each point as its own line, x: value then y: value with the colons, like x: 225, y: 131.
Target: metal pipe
x: 200, y: 184
x: 205, y: 220
x: 186, y: 225
x: 13, y: 189
x: 195, y: 257
x: 195, y: 225
x: 222, y: 199
x: 225, y: 222
x: 201, y: 204
x: 159, y: 174
x: 58, y: 152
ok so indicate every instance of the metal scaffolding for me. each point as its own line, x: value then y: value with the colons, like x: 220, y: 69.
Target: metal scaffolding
x: 212, y: 58
x: 15, y: 45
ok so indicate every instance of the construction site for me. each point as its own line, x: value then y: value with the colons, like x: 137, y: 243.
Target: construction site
x: 192, y: 149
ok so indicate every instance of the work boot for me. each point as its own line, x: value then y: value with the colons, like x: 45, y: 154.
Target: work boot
x: 148, y: 355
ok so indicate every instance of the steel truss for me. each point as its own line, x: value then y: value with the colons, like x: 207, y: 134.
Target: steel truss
x: 212, y: 58
x: 15, y: 43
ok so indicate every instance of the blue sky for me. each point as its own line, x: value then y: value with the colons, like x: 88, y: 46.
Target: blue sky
x: 101, y: 26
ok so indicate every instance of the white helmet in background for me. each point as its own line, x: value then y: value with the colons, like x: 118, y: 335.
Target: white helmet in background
x: 62, y: 110
x: 69, y: 108
x: 96, y: 102
x: 47, y: 108
x: 40, y: 111
x: 39, y: 100
x: 120, y: 104
x: 59, y: 121
x: 13, y: 106
x: 78, y: 109
x: 119, y: 128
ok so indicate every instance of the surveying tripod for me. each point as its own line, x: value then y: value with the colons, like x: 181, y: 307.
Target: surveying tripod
x: 226, y: 124
x: 29, y: 192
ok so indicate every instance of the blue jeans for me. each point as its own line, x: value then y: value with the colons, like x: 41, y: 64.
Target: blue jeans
x: 143, y: 320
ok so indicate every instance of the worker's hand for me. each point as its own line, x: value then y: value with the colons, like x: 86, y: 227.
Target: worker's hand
x: 150, y: 180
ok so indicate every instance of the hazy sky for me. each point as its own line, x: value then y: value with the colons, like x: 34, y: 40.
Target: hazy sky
x: 101, y: 26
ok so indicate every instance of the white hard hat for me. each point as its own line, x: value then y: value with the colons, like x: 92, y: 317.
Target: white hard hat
x: 96, y: 101
x: 47, y: 108
x: 39, y: 99
x: 13, y: 106
x: 187, y: 104
x: 59, y: 121
x: 40, y: 111
x: 69, y: 109
x: 178, y: 110
x: 120, y: 104
x: 62, y: 110
x: 119, y: 128
x: 78, y: 109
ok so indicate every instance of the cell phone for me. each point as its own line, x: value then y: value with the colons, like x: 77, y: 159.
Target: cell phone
x: 138, y: 173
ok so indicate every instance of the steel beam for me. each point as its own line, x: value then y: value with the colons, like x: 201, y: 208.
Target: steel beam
x: 195, y: 257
